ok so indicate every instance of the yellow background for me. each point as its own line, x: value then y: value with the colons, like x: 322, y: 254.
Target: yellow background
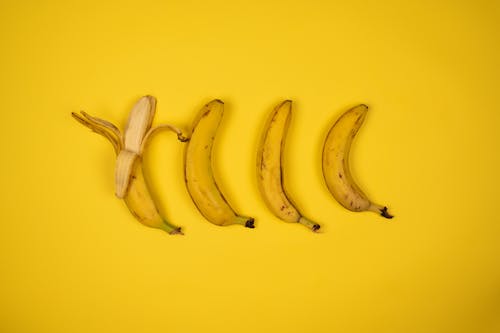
x: 72, y: 258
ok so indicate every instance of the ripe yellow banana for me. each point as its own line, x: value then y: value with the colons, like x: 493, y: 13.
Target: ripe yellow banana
x: 336, y: 169
x: 270, y: 168
x: 199, y: 177
x: 129, y: 179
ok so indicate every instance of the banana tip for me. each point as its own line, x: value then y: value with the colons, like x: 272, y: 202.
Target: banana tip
x: 250, y: 223
x: 384, y: 212
x: 176, y: 231
x: 315, y: 227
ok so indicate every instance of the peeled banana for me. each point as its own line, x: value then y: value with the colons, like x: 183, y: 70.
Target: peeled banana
x: 129, y: 179
x: 199, y: 178
x: 270, y: 168
x: 336, y: 169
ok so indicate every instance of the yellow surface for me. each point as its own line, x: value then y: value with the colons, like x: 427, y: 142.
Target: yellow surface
x: 72, y: 258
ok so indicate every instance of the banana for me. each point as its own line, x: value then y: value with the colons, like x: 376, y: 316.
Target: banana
x: 199, y: 177
x: 129, y: 178
x: 141, y: 204
x: 336, y: 169
x: 270, y: 168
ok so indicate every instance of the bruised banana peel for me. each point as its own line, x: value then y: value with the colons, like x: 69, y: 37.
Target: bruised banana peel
x: 130, y: 184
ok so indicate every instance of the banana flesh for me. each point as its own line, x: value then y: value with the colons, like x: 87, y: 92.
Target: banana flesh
x: 130, y: 184
x: 335, y: 164
x: 270, y: 168
x: 199, y: 178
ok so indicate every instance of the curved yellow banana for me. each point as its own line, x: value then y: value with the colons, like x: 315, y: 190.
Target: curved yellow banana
x: 336, y: 169
x: 129, y: 179
x: 270, y: 168
x: 199, y: 177
x: 141, y: 204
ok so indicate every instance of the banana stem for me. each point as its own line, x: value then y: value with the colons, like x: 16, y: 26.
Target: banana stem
x: 158, y: 128
x: 310, y: 224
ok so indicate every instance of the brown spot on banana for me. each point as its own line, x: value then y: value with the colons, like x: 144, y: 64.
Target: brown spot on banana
x: 262, y: 166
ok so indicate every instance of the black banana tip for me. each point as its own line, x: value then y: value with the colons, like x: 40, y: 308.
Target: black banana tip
x: 250, y: 223
x: 316, y: 227
x: 385, y: 213
x: 176, y: 231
